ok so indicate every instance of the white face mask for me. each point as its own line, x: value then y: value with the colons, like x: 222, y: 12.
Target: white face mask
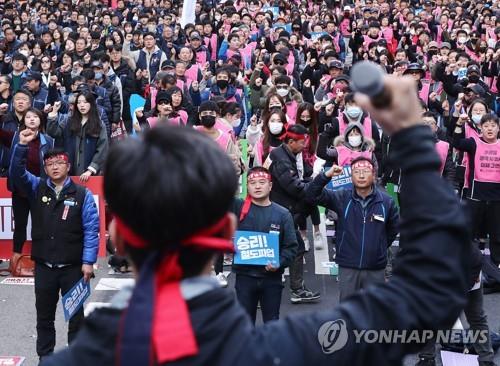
x: 236, y: 122
x: 282, y: 92
x: 462, y: 40
x: 476, y: 118
x: 275, y: 127
x: 354, y: 141
x: 24, y: 53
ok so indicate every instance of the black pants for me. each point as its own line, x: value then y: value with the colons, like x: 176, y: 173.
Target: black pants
x: 48, y: 283
x: 486, y: 215
x: 266, y: 290
x: 21, y: 211
x: 312, y: 211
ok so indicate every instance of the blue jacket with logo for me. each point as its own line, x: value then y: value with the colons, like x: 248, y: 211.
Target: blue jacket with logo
x: 366, y: 227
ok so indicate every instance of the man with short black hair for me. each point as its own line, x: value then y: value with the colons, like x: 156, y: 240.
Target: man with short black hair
x: 367, y: 225
x: 65, y: 236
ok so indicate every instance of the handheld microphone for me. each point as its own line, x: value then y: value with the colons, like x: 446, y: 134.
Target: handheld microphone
x: 367, y: 78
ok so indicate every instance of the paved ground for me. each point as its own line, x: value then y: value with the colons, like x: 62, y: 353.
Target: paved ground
x: 17, y: 310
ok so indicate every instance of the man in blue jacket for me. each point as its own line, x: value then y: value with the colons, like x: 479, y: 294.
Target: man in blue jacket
x: 65, y: 228
x: 367, y: 225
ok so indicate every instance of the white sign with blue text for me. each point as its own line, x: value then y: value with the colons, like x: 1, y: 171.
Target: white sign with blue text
x: 73, y: 300
x: 256, y: 248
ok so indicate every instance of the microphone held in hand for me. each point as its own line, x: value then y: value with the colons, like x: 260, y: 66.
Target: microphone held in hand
x: 367, y: 78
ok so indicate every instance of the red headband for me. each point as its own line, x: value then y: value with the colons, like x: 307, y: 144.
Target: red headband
x: 295, y: 136
x: 362, y: 164
x: 172, y: 332
x: 58, y: 157
x: 259, y: 174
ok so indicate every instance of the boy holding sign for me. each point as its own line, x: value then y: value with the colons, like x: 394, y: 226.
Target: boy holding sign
x: 265, y: 244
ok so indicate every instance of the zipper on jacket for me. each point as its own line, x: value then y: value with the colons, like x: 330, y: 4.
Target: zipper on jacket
x: 363, y: 238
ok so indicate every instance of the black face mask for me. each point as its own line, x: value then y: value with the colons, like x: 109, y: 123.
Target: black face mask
x: 474, y: 79
x: 208, y: 121
x: 305, y: 123
x: 222, y: 84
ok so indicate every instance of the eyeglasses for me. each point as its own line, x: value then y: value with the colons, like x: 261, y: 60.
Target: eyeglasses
x: 55, y: 163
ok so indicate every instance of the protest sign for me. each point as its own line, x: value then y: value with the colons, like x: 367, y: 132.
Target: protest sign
x: 256, y: 248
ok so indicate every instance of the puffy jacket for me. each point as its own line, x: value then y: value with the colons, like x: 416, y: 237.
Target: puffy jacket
x: 113, y: 93
x: 365, y: 227
x: 288, y: 189
x: 30, y: 185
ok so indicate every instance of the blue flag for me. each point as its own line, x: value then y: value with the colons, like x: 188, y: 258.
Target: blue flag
x: 256, y: 248
x: 341, y: 181
x: 73, y: 300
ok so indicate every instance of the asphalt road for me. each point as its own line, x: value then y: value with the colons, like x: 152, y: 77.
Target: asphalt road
x: 17, y: 307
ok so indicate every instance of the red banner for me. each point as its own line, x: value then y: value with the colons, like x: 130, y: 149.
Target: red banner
x: 7, y: 222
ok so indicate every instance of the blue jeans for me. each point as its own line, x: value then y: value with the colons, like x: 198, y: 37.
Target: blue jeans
x: 266, y: 290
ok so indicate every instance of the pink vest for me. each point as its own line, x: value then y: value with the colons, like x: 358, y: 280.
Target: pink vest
x: 388, y: 33
x: 201, y: 58
x: 223, y: 139
x: 346, y: 155
x: 487, y: 162
x: 192, y: 73
x: 442, y: 148
x: 469, y: 133
x: 153, y: 92
x: 211, y: 42
x: 291, y: 110
x: 424, y: 92
x: 369, y: 40
x: 336, y: 42
x: 180, y: 84
x: 367, y: 125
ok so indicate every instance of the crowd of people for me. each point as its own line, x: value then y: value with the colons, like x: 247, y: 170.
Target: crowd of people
x: 275, y: 75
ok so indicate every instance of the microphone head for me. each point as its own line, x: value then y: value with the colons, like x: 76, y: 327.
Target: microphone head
x: 367, y: 78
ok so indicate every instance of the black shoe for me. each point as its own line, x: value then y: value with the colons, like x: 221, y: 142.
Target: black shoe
x: 304, y: 295
x: 426, y: 362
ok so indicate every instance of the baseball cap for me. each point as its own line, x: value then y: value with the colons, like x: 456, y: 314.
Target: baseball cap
x: 476, y: 89
x: 335, y: 64
x: 473, y: 68
x: 194, y: 35
x: 33, y: 75
x: 445, y: 45
x: 433, y: 44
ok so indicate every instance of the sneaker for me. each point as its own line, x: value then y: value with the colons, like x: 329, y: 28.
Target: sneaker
x: 304, y: 295
x: 329, y: 222
x: 426, y: 362
x: 306, y: 243
x: 222, y: 279
x: 319, y: 242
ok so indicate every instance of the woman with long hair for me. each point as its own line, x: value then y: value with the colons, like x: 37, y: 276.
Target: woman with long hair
x: 82, y: 135
x: 273, y: 128
x: 34, y: 120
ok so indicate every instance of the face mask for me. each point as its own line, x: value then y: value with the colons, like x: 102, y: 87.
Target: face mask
x: 353, y: 112
x: 98, y: 75
x: 236, y: 122
x: 380, y: 49
x: 75, y: 73
x: 208, y: 121
x: 275, y: 127
x: 24, y: 52
x: 305, y: 122
x: 476, y: 118
x: 462, y: 40
x: 354, y: 141
x: 152, y: 28
x: 282, y: 92
x: 277, y: 106
x: 222, y: 84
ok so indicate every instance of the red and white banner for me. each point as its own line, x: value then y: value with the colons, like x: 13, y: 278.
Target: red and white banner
x: 11, y: 360
x: 7, y: 219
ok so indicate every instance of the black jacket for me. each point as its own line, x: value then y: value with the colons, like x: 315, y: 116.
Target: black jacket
x: 115, y: 114
x: 427, y: 291
x: 288, y: 188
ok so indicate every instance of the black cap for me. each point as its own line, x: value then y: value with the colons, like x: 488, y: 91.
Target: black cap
x: 33, y: 75
x: 167, y: 64
x: 163, y: 95
x: 336, y: 64
x: 415, y: 66
x: 96, y: 64
x: 280, y: 58
x: 476, y: 89
x: 473, y: 68
x: 195, y: 35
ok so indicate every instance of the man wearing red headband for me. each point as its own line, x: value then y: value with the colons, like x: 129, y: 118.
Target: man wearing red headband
x: 262, y: 284
x: 289, y: 191
x: 367, y: 225
x: 65, y: 229
x: 173, y: 217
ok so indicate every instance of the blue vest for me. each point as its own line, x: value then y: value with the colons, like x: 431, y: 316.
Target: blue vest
x: 154, y: 62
